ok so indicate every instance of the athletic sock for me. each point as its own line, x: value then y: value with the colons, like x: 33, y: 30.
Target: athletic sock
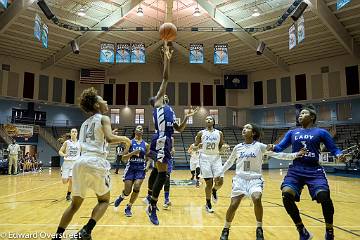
x: 68, y: 194
x: 166, y: 196
x: 208, y: 203
x: 227, y: 224
x: 259, y: 224
x: 90, y: 225
x: 300, y: 226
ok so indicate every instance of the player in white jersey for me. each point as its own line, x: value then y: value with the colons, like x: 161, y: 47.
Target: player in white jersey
x: 194, y: 164
x: 92, y: 170
x: 248, y: 180
x: 211, y: 141
x: 70, y: 150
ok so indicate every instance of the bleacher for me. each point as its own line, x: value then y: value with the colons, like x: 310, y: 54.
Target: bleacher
x: 346, y: 136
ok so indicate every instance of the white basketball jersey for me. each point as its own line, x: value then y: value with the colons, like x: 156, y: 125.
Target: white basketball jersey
x: 194, y: 155
x: 210, y: 141
x: 92, y: 138
x: 72, y: 150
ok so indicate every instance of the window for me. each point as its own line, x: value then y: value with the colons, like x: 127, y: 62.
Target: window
x: 290, y: 115
x: 115, y: 115
x: 269, y: 117
x: 344, y: 111
x: 215, y: 114
x: 139, y: 116
x: 324, y: 113
x: 190, y: 119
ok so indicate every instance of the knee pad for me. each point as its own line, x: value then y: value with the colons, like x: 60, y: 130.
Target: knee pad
x: 323, y: 197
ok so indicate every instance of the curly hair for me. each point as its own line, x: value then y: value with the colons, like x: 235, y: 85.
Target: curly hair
x: 88, y: 99
x: 312, y: 110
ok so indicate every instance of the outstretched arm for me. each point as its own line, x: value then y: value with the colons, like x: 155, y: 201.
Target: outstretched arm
x: 182, y: 125
x: 110, y: 137
x: 230, y: 161
x: 166, y: 71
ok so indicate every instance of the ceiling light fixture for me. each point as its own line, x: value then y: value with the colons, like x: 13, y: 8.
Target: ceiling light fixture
x: 140, y: 12
x: 197, y: 12
x: 256, y: 11
x: 81, y: 12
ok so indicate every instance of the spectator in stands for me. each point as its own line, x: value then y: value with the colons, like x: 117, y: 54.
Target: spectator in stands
x: 13, y: 150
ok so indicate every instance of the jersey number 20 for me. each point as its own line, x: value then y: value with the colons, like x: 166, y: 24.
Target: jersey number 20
x: 210, y: 146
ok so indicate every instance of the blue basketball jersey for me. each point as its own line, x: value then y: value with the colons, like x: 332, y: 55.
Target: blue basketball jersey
x: 309, y: 139
x: 138, y: 146
x: 164, y: 118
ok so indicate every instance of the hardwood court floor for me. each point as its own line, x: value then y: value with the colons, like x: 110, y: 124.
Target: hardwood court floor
x: 34, y: 203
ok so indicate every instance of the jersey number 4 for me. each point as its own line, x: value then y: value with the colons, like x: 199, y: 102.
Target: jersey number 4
x: 89, y: 132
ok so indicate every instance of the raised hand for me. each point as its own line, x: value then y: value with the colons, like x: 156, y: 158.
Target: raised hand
x: 192, y: 111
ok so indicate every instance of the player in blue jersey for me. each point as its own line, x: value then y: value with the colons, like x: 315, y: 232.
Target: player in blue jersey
x: 134, y: 173
x: 161, y: 144
x: 307, y: 171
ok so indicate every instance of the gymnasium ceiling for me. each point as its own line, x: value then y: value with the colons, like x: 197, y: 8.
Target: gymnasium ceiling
x: 328, y: 32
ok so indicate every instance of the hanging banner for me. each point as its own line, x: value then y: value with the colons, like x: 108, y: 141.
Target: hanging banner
x: 17, y: 130
x: 138, y: 53
x: 4, y: 3
x: 37, y: 27
x: 301, y: 29
x: 107, y: 52
x: 341, y: 3
x: 292, y: 37
x: 196, y: 53
x: 221, y: 54
x: 123, y: 53
x: 44, y: 35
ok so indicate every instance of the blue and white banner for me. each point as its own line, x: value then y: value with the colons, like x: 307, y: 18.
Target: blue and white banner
x: 37, y: 27
x: 292, y: 37
x: 341, y: 3
x: 138, y: 53
x: 107, y: 52
x: 123, y: 53
x: 4, y: 3
x: 301, y: 29
x: 44, y: 35
x: 221, y: 54
x: 196, y: 53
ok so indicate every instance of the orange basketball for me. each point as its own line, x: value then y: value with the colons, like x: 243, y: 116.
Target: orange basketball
x: 168, y: 32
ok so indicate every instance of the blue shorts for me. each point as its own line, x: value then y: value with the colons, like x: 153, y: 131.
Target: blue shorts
x: 313, y: 177
x: 161, y: 151
x: 134, y: 172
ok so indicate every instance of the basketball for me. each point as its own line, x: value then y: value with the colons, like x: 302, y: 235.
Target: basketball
x: 168, y: 32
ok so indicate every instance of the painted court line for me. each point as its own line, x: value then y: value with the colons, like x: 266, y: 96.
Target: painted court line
x: 29, y: 190
x: 167, y: 226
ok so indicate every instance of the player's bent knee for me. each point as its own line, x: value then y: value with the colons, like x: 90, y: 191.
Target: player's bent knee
x: 136, y: 190
x: 288, y: 197
x: 323, y: 196
x: 256, y: 197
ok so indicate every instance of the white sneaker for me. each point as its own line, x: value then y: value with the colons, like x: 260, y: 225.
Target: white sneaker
x: 146, y: 201
x: 209, y: 210
x: 166, y: 205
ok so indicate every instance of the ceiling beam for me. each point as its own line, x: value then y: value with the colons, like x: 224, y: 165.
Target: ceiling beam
x: 249, y: 40
x: 333, y: 24
x: 14, y: 11
x: 108, y: 21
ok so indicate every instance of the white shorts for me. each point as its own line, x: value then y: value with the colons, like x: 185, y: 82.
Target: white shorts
x: 66, y: 169
x: 210, y: 166
x: 247, y: 187
x: 91, y: 172
x: 194, y: 163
